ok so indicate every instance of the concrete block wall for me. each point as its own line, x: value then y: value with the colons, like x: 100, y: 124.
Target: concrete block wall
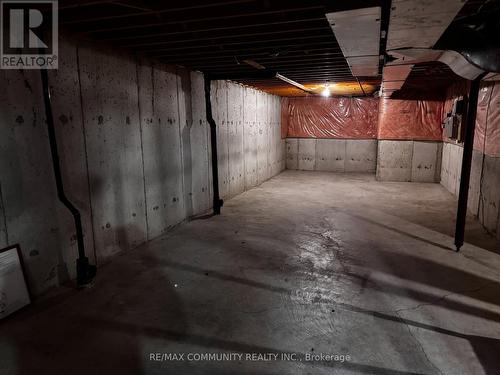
x: 135, y: 155
x: 415, y: 161
x: 331, y: 155
x: 484, y: 187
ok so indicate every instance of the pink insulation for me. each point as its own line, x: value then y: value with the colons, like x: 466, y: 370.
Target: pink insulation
x: 318, y: 117
x: 410, y: 119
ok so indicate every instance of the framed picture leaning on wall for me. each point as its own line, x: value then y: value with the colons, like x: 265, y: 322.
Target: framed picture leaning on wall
x: 14, y: 291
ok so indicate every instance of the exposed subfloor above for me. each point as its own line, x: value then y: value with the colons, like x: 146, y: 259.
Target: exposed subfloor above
x: 309, y: 262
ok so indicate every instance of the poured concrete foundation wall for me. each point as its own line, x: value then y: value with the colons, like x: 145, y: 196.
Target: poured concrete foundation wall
x: 250, y: 148
x: 451, y: 169
x: 135, y: 155
x: 415, y: 161
x: 484, y: 187
x: 332, y: 155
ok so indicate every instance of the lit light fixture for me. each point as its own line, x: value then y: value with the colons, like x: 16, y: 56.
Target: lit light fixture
x: 326, y: 92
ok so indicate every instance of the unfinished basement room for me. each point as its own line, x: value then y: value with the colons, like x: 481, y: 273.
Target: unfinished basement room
x: 242, y: 187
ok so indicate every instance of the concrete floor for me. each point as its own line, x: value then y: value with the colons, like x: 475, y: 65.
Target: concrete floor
x: 307, y: 263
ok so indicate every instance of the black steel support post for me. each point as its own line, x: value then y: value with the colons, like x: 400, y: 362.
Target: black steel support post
x: 217, y: 203
x: 470, y: 126
x: 85, y: 272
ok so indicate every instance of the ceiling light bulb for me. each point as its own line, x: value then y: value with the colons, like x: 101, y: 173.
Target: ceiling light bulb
x: 326, y: 91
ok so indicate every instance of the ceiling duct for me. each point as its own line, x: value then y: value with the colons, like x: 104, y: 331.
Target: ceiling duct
x: 460, y: 66
x: 358, y: 34
x: 475, y: 37
x: 415, y: 26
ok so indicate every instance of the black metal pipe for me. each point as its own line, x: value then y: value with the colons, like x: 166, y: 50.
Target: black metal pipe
x: 361, y: 87
x: 217, y: 202
x: 85, y: 272
x: 470, y: 126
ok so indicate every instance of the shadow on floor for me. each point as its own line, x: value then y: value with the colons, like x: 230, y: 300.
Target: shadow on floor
x: 104, y: 330
x: 229, y: 345
x: 415, y: 269
x: 73, y: 333
x: 485, y: 348
x: 395, y: 230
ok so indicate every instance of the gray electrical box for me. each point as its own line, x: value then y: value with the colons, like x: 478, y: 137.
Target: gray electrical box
x: 452, y: 126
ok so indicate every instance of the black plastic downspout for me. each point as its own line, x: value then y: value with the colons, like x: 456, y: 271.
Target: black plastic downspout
x: 217, y: 203
x: 470, y: 126
x: 85, y: 272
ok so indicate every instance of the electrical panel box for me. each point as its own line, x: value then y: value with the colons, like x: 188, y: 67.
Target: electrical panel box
x: 450, y: 129
x: 453, y: 124
x: 460, y: 111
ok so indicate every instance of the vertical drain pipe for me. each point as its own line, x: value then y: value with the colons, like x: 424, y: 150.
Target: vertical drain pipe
x: 470, y: 127
x: 85, y: 272
x: 217, y: 203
